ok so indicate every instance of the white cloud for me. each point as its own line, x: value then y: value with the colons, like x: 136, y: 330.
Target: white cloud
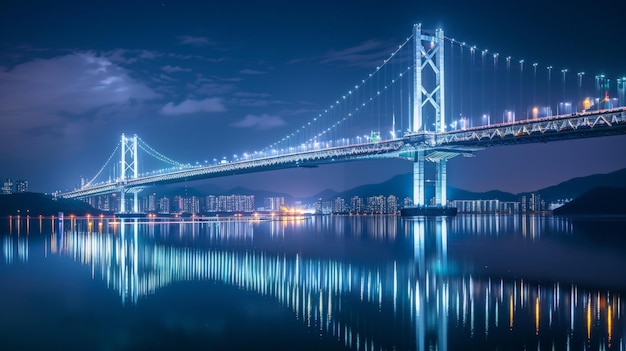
x: 172, y: 69
x: 194, y: 106
x: 263, y: 121
x: 196, y: 41
x: 39, y: 92
x: 367, y: 54
x: 251, y: 71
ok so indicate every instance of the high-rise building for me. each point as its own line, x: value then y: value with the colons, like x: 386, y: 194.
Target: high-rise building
x: 210, y: 204
x: 356, y: 205
x: 21, y: 186
x: 376, y: 204
x: 273, y: 203
x: 340, y: 205
x: 151, y: 203
x: 176, y: 206
x: 408, y: 202
x: 7, y: 187
x: 191, y: 205
x: 164, y: 205
x: 235, y: 203
x: 392, y: 204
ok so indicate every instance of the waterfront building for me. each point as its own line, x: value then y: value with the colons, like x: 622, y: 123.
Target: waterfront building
x: 340, y: 205
x: 21, y: 186
x: 357, y: 205
x: 210, y: 204
x: 376, y: 204
x: 273, y: 203
x: 7, y: 187
x: 392, y: 204
x: 164, y: 205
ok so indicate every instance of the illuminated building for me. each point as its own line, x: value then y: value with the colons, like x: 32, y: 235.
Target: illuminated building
x: 7, y: 187
x: 21, y: 186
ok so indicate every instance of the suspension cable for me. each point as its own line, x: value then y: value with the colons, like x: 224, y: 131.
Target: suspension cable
x: 159, y: 156
x: 332, y: 106
x: 105, y: 164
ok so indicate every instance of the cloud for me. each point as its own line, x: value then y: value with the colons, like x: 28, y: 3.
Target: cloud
x: 264, y: 121
x: 367, y: 54
x: 195, y: 41
x: 251, y: 71
x: 44, y: 93
x: 172, y: 69
x: 194, y: 106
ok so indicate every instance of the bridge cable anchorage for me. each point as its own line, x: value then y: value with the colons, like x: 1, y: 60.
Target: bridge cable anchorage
x: 159, y: 156
x: 337, y: 103
x: 104, y: 166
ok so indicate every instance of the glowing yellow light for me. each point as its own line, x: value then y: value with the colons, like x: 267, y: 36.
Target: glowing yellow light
x: 511, y: 311
x: 610, y: 323
x: 589, y: 319
x: 537, y: 316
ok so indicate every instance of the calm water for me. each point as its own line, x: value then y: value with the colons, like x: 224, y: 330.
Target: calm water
x: 322, y: 283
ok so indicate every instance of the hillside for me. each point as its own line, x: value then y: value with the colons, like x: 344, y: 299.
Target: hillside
x: 37, y: 204
x: 601, y: 200
x: 575, y: 187
x: 401, y: 186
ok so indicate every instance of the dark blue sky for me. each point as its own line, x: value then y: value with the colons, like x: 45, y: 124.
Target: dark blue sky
x: 200, y: 80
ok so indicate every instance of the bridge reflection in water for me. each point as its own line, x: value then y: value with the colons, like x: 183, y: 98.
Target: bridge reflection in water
x: 419, y: 300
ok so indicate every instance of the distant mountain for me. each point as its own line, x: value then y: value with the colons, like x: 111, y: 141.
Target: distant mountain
x: 459, y: 194
x: 577, y: 186
x: 601, y: 200
x: 324, y: 194
x: 36, y: 204
x: 196, y: 190
x: 401, y: 186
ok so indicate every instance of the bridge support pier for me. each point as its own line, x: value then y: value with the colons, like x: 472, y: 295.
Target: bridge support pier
x: 440, y: 186
x: 122, y: 201
x: 135, y: 192
x: 418, y: 179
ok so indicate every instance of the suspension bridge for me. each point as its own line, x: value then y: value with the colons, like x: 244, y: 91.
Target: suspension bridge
x: 432, y: 99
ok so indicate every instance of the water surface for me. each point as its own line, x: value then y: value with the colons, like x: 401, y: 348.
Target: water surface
x: 322, y: 283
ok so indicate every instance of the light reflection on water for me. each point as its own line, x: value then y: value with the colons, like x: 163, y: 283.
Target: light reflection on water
x: 422, y: 296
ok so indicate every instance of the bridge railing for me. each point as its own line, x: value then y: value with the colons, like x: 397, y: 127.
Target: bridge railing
x: 578, y: 125
x: 297, y: 159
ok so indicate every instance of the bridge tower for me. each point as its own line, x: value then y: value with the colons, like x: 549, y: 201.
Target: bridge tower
x: 129, y: 170
x: 428, y: 108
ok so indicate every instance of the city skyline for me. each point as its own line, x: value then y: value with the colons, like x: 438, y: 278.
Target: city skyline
x: 194, y: 80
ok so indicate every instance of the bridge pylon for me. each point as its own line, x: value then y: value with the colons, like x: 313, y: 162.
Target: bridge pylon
x: 428, y: 101
x: 129, y: 170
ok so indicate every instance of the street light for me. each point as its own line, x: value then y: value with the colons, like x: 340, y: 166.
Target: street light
x: 563, y: 71
x: 563, y: 107
x: 580, y: 84
x: 535, y: 83
x: 549, y: 84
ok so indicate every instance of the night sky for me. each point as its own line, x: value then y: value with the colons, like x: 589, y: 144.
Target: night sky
x: 199, y: 80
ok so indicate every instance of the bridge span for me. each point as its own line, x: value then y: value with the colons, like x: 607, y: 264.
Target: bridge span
x: 433, y: 134
x: 435, y: 146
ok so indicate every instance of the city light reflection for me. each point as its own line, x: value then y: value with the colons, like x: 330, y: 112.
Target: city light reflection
x: 425, y: 299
